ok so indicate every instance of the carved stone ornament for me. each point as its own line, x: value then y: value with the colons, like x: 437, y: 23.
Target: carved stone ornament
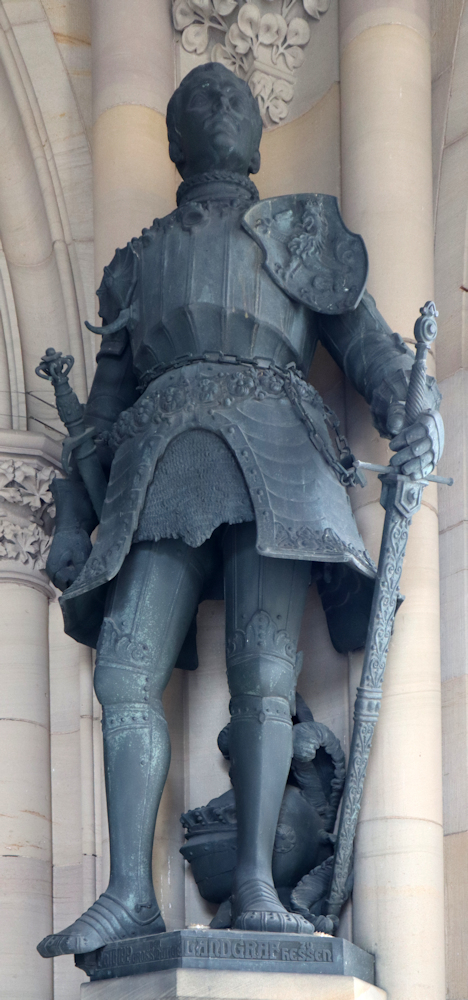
x: 265, y: 49
x: 26, y: 512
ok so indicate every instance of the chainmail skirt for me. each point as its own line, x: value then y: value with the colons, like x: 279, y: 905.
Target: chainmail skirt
x: 197, y: 485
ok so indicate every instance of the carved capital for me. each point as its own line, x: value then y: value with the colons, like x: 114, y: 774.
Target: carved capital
x: 26, y: 509
x: 262, y: 42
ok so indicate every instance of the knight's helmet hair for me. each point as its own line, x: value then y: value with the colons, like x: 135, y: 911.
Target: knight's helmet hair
x: 217, y: 69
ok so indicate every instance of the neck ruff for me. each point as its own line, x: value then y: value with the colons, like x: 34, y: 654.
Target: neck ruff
x: 227, y: 177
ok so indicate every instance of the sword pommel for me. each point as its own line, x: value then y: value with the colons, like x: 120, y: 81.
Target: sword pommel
x: 55, y: 366
x: 425, y: 332
x: 425, y: 328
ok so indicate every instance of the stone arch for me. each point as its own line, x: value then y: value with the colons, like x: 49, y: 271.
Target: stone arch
x: 36, y: 240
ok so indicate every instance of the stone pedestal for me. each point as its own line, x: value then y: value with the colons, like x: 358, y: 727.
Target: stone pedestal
x: 201, y: 984
x: 221, y: 950
x: 201, y: 963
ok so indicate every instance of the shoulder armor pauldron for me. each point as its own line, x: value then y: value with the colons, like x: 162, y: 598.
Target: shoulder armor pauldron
x: 309, y: 252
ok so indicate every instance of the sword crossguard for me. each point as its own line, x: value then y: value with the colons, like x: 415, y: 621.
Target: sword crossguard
x: 55, y: 366
x: 77, y: 441
x: 390, y: 470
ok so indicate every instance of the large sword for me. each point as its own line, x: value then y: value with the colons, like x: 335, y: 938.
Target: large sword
x: 56, y: 367
x: 401, y: 499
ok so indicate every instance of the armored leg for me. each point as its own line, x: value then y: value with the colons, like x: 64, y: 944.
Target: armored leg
x: 149, y: 611
x: 264, y: 606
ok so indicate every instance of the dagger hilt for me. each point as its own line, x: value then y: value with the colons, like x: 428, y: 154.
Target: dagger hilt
x: 55, y: 367
x: 425, y: 332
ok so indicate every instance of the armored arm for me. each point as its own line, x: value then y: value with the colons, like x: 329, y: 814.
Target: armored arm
x: 376, y: 361
x: 114, y: 389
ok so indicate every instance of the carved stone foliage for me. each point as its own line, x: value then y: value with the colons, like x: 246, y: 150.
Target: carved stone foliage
x: 26, y: 512
x: 262, y: 42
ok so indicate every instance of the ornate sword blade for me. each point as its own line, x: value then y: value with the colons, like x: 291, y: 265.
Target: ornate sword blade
x: 369, y: 694
x: 401, y: 498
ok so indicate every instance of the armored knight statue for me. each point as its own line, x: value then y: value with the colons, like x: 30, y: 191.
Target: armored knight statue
x: 225, y: 469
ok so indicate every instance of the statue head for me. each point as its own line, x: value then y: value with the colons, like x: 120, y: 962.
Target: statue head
x: 214, y: 123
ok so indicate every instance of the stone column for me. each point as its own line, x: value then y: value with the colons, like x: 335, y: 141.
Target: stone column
x: 386, y: 195
x: 451, y: 279
x: 28, y: 462
x: 133, y: 78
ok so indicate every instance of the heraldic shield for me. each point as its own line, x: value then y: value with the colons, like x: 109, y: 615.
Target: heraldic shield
x: 309, y: 252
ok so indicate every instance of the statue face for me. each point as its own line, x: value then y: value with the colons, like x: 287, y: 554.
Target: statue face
x: 217, y: 127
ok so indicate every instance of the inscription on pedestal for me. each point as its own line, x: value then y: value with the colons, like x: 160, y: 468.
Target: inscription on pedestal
x: 312, y: 954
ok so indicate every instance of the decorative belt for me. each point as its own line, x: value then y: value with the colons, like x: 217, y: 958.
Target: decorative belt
x: 218, y: 358
x: 289, y: 380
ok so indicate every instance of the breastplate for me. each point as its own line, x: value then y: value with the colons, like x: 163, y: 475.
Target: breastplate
x: 202, y: 289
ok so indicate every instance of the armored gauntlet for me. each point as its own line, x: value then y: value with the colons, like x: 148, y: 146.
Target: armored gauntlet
x: 75, y: 520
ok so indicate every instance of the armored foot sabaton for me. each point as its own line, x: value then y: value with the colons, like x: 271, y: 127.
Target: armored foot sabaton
x: 106, y: 921
x: 256, y: 907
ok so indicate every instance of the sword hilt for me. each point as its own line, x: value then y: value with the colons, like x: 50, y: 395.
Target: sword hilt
x: 386, y: 469
x: 56, y: 367
x: 425, y: 332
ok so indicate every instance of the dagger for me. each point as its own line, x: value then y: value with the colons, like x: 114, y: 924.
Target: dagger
x: 56, y: 367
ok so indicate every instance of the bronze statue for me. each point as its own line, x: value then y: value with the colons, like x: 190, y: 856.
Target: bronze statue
x: 225, y: 470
